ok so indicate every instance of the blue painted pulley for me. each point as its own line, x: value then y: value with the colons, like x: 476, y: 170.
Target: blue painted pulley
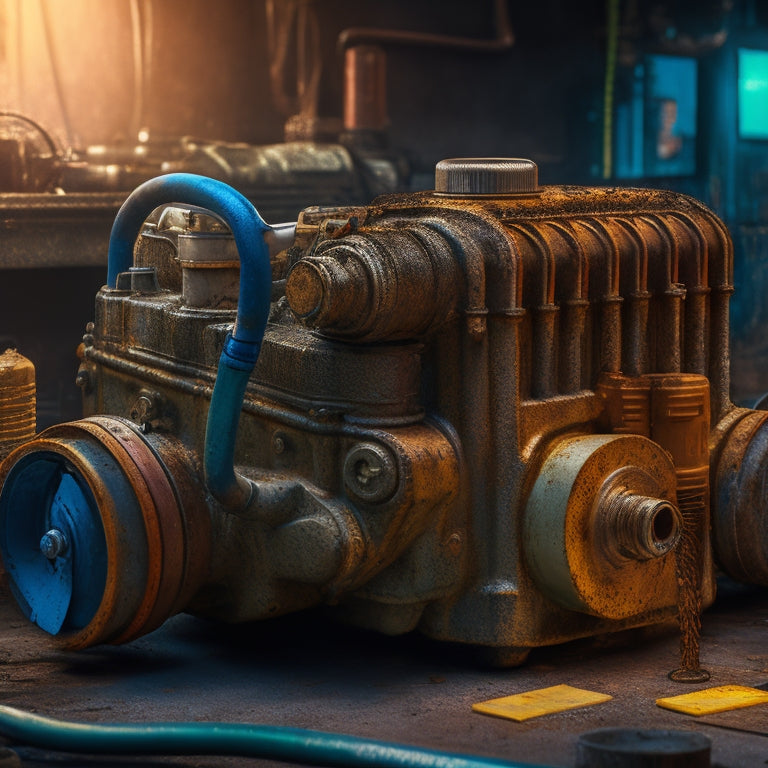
x: 94, y: 537
x: 52, y: 542
x: 77, y: 523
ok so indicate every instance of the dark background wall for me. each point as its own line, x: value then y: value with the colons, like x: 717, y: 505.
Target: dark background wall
x: 97, y: 71
x: 72, y: 66
x: 207, y: 73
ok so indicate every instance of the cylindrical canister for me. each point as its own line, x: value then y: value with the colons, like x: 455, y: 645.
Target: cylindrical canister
x: 17, y: 401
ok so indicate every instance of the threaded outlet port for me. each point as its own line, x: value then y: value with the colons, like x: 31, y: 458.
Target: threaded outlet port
x: 641, y: 527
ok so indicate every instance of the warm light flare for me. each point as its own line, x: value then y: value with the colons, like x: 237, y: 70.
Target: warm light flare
x: 76, y: 67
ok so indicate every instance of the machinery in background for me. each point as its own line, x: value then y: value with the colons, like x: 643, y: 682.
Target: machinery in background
x: 58, y: 205
x: 280, y: 178
x: 495, y: 412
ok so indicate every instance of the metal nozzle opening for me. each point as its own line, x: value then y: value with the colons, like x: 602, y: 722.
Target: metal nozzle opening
x: 640, y: 527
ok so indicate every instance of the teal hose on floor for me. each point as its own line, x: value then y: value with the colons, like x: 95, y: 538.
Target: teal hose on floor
x: 261, y: 741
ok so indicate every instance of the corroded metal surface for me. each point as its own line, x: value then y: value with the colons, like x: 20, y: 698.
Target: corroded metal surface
x: 448, y: 384
x: 554, y: 290
x: 740, y: 525
x: 43, y: 230
x: 587, y: 544
x: 17, y: 400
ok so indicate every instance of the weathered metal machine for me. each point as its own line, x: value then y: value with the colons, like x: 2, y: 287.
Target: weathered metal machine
x: 495, y: 412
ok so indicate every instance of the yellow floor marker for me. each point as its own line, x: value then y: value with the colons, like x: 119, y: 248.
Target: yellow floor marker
x: 712, y: 700
x: 545, y: 701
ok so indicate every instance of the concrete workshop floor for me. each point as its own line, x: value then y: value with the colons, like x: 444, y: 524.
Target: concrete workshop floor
x: 305, y: 672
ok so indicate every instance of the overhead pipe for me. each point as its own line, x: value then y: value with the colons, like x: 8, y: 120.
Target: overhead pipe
x: 503, y: 39
x: 365, y: 64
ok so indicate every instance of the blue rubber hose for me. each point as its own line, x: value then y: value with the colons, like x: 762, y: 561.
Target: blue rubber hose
x: 242, y: 346
x: 260, y: 741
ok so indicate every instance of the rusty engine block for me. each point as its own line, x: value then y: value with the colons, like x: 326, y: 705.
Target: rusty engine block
x: 497, y: 413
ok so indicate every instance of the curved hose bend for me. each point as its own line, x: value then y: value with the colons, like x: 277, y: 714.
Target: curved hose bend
x: 242, y: 346
x: 260, y: 741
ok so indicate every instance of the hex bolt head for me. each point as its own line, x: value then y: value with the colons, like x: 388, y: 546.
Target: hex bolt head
x: 370, y: 473
x: 54, y: 544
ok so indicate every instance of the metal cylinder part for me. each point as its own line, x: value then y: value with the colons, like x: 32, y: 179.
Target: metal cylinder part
x: 600, y: 524
x: 393, y: 284
x: 486, y: 176
x: 17, y: 400
x: 627, y: 403
x: 740, y: 496
x: 97, y: 545
x: 680, y: 423
x: 210, y: 270
x: 640, y: 527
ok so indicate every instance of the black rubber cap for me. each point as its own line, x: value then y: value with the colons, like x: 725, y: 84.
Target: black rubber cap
x: 634, y: 748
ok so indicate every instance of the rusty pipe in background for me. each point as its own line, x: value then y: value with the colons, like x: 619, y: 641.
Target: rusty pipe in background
x: 365, y: 65
x: 503, y: 40
x: 365, y: 89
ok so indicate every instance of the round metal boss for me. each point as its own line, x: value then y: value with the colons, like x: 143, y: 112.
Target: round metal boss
x: 486, y: 176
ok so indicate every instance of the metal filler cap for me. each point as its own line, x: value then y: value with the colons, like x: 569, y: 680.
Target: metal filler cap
x: 472, y: 176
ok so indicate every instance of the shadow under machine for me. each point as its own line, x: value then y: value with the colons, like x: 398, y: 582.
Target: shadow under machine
x: 494, y: 412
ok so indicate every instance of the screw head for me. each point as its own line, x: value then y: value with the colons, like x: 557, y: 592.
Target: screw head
x: 146, y: 409
x: 370, y: 472
x: 53, y: 544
